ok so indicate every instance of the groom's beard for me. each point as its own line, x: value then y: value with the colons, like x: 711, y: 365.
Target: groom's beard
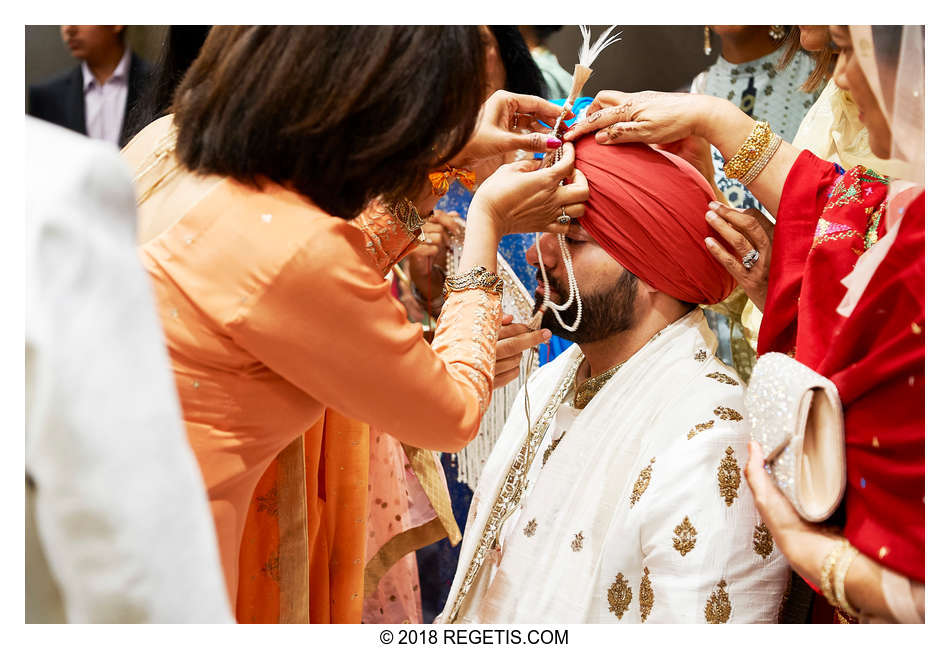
x: 606, y: 313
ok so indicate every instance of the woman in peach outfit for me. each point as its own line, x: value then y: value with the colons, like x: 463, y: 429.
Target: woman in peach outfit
x: 266, y: 243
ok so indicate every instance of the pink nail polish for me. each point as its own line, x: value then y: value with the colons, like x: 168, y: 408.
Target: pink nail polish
x: 553, y: 143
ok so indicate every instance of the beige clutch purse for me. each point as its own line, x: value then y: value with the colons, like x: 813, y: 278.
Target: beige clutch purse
x: 796, y: 415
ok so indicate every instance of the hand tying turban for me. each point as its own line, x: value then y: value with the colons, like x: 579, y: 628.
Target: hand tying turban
x: 647, y: 210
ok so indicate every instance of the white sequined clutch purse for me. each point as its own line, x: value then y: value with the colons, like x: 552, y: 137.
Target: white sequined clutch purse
x: 796, y: 415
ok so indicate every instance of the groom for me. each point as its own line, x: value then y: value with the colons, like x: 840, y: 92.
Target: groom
x: 621, y: 499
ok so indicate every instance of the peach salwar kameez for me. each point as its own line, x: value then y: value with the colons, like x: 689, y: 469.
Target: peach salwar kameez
x: 284, y: 339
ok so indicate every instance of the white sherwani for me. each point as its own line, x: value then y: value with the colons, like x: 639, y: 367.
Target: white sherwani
x: 634, y: 509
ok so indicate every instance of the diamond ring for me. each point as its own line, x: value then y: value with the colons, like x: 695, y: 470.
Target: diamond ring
x: 564, y: 219
x: 750, y: 258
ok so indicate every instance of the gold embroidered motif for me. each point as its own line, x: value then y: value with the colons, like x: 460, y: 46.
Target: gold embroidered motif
x: 551, y: 447
x: 727, y: 414
x: 589, y: 388
x: 268, y: 502
x: 700, y: 355
x: 698, y: 428
x: 531, y: 527
x: 914, y: 327
x: 729, y: 477
x: 762, y: 541
x: 718, y: 606
x: 722, y: 378
x: 875, y: 443
x: 685, y: 537
x: 578, y: 543
x: 643, y: 481
x: 619, y: 596
x: 646, y: 595
x: 883, y: 552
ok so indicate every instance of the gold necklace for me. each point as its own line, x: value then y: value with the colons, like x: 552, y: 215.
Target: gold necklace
x: 590, y: 387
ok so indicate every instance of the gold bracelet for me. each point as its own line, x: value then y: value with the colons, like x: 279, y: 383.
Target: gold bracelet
x: 762, y: 160
x: 406, y: 213
x: 750, y: 151
x: 840, y: 571
x: 826, y: 569
x: 478, y: 277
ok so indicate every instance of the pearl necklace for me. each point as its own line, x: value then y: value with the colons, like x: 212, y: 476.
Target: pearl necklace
x: 573, y: 292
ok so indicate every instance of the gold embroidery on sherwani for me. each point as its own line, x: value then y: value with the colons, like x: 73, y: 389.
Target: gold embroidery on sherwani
x: 700, y: 355
x: 589, y: 388
x: 718, y: 606
x: 551, y: 447
x: 685, y: 537
x: 646, y: 595
x: 722, y: 378
x: 762, y: 541
x: 643, y: 481
x: 509, y: 496
x: 578, y: 543
x: 729, y: 477
x: 727, y: 414
x: 619, y: 596
x: 531, y: 527
x: 698, y: 428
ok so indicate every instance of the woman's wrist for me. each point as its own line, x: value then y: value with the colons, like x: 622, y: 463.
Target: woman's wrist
x: 723, y: 124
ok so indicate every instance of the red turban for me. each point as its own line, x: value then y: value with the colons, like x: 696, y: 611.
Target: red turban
x: 647, y: 210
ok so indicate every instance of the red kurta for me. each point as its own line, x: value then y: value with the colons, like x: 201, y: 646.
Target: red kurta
x: 827, y: 219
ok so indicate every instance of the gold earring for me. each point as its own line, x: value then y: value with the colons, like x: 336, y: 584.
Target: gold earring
x: 707, y: 48
x: 777, y: 32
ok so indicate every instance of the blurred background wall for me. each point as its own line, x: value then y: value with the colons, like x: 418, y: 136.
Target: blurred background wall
x: 650, y: 57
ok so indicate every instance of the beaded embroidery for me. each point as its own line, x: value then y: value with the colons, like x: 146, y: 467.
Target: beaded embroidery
x: 722, y: 378
x: 643, y: 481
x: 718, y: 606
x: 684, y: 538
x: 698, y: 428
x: 729, y: 477
x: 646, y: 595
x: 619, y: 596
x: 762, y: 541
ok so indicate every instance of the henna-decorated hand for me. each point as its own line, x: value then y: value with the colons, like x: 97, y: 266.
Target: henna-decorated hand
x: 744, y: 231
x: 500, y: 123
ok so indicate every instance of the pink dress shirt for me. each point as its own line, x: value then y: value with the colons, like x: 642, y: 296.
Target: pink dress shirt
x: 105, y: 103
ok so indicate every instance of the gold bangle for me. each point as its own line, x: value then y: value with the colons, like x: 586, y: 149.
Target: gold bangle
x: 750, y: 151
x: 840, y: 571
x: 478, y: 277
x: 827, y: 567
x: 406, y: 213
x: 774, y: 142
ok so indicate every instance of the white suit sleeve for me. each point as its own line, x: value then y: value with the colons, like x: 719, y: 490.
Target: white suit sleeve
x: 121, y: 508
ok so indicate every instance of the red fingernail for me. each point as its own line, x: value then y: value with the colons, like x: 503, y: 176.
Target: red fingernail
x: 554, y: 143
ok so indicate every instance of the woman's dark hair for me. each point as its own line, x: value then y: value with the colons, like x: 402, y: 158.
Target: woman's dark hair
x: 521, y: 72
x: 179, y: 49
x: 341, y: 114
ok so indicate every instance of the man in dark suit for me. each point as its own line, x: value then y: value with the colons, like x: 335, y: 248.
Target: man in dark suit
x: 96, y: 97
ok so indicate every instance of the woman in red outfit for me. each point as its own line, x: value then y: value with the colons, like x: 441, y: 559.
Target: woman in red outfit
x: 845, y: 296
